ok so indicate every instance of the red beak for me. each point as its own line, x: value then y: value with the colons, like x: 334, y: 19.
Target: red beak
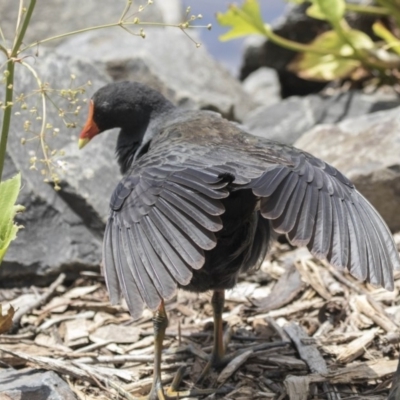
x: 90, y: 129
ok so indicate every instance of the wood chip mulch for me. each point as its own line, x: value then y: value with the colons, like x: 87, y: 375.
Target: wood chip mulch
x: 298, y: 329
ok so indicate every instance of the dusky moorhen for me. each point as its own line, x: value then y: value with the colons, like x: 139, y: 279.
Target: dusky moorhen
x: 199, y: 199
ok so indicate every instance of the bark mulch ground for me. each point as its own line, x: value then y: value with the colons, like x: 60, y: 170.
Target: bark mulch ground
x: 297, y: 329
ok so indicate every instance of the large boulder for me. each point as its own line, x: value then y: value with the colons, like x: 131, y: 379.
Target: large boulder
x: 185, y: 73
x: 263, y: 86
x: 367, y: 150
x: 289, y: 119
x: 55, y: 17
x: 62, y: 230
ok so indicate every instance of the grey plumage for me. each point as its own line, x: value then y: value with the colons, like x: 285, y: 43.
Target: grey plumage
x: 196, y: 207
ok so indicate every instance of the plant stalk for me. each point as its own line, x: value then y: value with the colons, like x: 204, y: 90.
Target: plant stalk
x: 7, y: 113
x: 5, y: 128
x: 93, y: 28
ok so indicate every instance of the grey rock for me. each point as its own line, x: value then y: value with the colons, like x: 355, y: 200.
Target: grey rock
x: 71, y: 15
x: 174, y: 62
x: 263, y: 86
x: 63, y: 230
x: 285, y: 121
x: 34, y: 385
x: 367, y: 150
x: 288, y: 120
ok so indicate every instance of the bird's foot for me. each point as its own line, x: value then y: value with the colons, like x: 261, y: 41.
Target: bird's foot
x: 217, y: 359
x: 157, y: 391
x: 213, y: 363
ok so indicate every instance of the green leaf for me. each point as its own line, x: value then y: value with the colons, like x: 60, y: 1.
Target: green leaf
x: 245, y: 20
x: 359, y: 40
x: 327, y: 67
x: 330, y: 10
x: 392, y: 41
x: 9, y: 191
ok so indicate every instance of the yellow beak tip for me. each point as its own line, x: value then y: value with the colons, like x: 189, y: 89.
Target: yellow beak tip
x: 82, y: 143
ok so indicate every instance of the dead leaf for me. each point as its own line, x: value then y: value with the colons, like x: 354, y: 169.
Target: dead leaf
x: 6, y: 320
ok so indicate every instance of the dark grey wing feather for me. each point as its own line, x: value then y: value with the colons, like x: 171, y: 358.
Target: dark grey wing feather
x: 162, y: 220
x: 358, y: 247
x: 110, y: 272
x: 191, y: 254
x: 210, y: 206
x: 201, y: 187
x: 379, y: 256
x: 340, y: 247
x: 287, y: 220
x: 321, y: 239
x: 201, y: 237
x: 207, y: 221
x: 128, y: 285
x: 276, y: 203
x: 159, y: 275
x: 274, y: 178
x: 302, y: 230
x: 317, y: 206
x: 137, y: 270
x: 167, y: 254
x: 386, y: 241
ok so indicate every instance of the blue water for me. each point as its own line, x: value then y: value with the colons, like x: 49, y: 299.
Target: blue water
x: 228, y: 53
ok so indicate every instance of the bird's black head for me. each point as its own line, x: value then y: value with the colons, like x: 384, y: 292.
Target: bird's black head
x: 126, y: 105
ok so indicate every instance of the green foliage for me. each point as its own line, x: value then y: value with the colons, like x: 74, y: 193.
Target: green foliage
x: 9, y: 191
x: 329, y: 10
x: 381, y: 31
x: 334, y: 54
x: 244, y: 21
x: 327, y: 67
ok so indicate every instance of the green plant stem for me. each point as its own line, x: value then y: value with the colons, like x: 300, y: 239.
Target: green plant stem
x: 4, y: 50
x: 302, y: 48
x: 372, y: 10
x: 19, y: 17
x: 266, y: 30
x: 342, y: 29
x: 10, y: 85
x: 25, y: 24
x: 7, y: 113
x: 93, y: 28
x: 296, y: 46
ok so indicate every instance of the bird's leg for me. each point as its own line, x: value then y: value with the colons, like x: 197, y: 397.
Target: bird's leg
x: 217, y: 356
x: 160, y: 323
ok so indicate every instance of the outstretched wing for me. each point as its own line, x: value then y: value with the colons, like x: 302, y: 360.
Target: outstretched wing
x: 315, y: 205
x: 166, y: 211
x: 162, y: 221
